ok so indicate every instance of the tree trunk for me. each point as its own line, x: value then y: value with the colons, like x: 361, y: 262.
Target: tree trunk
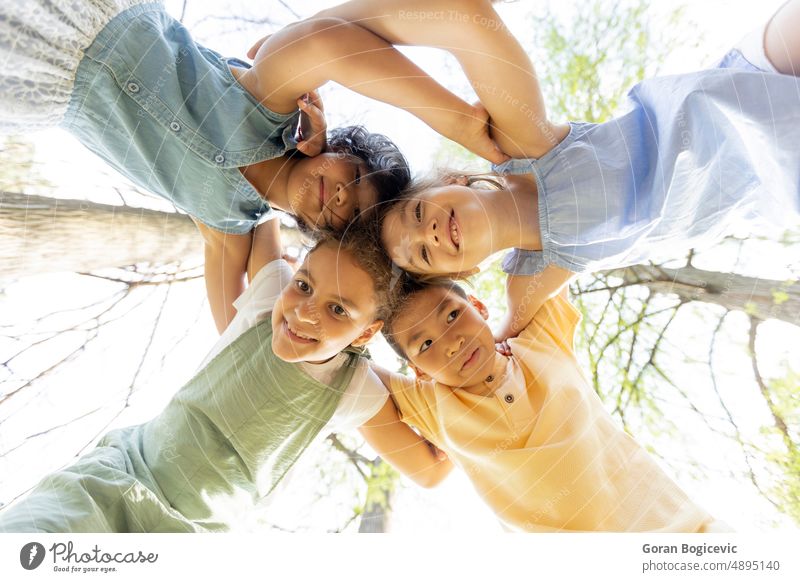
x: 42, y: 235
x: 39, y: 234
x: 761, y: 298
x: 377, y: 515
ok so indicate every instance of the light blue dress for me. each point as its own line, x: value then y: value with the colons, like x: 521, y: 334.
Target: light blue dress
x: 693, y: 155
x: 131, y: 84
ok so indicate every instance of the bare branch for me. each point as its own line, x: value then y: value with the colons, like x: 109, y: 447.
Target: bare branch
x: 353, y: 456
x: 780, y: 424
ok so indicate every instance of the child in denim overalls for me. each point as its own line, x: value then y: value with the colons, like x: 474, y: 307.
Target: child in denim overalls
x: 208, y: 134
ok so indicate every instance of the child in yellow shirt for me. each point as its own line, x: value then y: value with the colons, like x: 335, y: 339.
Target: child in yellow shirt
x: 527, y: 429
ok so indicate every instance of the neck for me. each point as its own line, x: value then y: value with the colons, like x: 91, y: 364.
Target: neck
x: 515, y: 219
x: 270, y: 178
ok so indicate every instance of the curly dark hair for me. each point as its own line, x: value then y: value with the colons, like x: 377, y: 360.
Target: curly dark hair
x: 361, y: 239
x: 387, y: 167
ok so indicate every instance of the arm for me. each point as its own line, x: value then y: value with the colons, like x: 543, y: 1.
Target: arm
x: 305, y: 55
x: 525, y: 294
x: 225, y: 265
x: 499, y: 70
x: 404, y: 449
x: 266, y: 246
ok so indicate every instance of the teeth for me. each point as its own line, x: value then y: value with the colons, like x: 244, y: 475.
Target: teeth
x: 454, y: 232
x: 300, y: 335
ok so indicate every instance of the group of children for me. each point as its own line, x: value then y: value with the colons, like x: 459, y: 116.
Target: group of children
x: 693, y: 153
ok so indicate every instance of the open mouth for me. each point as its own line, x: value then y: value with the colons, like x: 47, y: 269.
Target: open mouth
x: 472, y: 360
x: 297, y: 336
x: 455, y: 233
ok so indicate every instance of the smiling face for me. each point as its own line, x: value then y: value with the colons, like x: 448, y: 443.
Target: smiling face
x: 329, y: 305
x: 446, y: 337
x: 439, y: 231
x: 330, y: 189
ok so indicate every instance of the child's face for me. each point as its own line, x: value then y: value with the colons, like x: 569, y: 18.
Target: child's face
x: 442, y: 230
x: 329, y: 305
x: 446, y: 337
x: 330, y: 190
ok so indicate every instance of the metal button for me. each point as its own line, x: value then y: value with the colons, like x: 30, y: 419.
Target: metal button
x: 133, y: 87
x: 509, y: 398
x: 219, y: 158
x: 175, y: 126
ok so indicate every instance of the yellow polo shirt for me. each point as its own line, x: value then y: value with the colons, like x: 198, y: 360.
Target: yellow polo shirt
x: 542, y: 451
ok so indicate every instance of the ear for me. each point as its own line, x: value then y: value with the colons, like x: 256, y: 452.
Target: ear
x: 420, y: 374
x: 478, y: 304
x: 367, y: 334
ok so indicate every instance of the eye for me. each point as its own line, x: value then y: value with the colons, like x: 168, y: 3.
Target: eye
x: 451, y: 317
x: 356, y: 212
x: 302, y: 286
x: 424, y: 254
x: 358, y: 176
x: 338, y: 310
x: 425, y: 345
x: 418, y: 211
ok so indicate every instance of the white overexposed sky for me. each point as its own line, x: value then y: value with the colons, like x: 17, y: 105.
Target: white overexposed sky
x: 102, y: 374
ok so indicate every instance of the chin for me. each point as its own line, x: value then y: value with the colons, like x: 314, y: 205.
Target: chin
x: 285, y: 353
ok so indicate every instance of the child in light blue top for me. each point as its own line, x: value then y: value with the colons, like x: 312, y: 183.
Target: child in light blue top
x: 210, y: 134
x: 692, y: 155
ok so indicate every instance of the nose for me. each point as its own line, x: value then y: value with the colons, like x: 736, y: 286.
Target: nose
x: 433, y: 232
x: 306, y: 312
x: 342, y: 194
x: 454, y: 345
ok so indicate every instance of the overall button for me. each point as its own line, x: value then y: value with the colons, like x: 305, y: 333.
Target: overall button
x: 133, y: 87
x: 219, y: 158
x: 175, y: 126
x: 509, y: 398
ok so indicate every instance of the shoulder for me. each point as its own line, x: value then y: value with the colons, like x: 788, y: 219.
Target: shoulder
x: 267, y: 284
x: 554, y: 322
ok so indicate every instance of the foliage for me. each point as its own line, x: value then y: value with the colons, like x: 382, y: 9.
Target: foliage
x: 589, y: 58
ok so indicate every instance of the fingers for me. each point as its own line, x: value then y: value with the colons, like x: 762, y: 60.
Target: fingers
x: 494, y: 154
x: 314, y: 99
x: 503, y: 348
x: 316, y: 116
x: 313, y: 127
x: 437, y: 452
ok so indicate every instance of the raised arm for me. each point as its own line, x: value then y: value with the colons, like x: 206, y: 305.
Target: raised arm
x: 266, y: 246
x: 306, y: 55
x: 500, y: 71
x: 228, y: 257
x: 225, y: 264
x: 403, y: 448
x: 525, y: 294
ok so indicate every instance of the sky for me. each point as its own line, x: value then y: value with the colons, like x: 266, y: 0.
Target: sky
x: 102, y: 374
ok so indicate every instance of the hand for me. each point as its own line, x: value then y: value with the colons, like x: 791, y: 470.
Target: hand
x: 506, y: 330
x: 503, y: 348
x: 474, y: 134
x: 313, y: 127
x: 437, y: 452
x: 293, y: 261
